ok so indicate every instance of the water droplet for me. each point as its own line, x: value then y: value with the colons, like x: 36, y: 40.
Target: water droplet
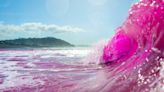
x: 122, y: 63
x: 146, y: 90
x: 157, y: 58
x: 138, y: 20
x: 138, y: 6
x: 130, y: 12
x: 139, y: 71
x: 145, y: 82
x: 134, y: 68
x: 156, y: 50
x: 149, y: 24
x: 153, y: 3
x: 125, y: 77
x: 147, y: 59
x: 146, y: 50
x: 145, y: 5
x: 155, y: 12
x: 157, y: 6
x: 136, y: 3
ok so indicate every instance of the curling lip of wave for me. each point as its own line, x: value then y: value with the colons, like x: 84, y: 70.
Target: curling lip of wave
x: 144, y: 25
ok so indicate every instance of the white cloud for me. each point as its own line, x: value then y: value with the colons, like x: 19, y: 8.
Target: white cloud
x: 10, y: 31
x: 38, y: 27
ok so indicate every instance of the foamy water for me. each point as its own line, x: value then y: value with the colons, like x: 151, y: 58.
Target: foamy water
x: 22, y: 68
x: 66, y: 70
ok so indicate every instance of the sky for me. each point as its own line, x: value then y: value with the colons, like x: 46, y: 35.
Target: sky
x: 80, y: 22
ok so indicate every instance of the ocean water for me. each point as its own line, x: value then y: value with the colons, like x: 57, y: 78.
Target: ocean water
x: 131, y: 61
x: 70, y: 70
x: 44, y: 69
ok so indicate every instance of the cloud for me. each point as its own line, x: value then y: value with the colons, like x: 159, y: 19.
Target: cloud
x: 38, y: 26
x: 8, y: 31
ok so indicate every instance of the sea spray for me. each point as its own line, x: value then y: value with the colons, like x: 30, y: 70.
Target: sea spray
x: 96, y: 51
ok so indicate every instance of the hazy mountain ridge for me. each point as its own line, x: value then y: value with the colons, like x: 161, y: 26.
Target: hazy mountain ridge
x: 34, y: 42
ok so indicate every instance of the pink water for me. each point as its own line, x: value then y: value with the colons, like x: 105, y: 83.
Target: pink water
x: 132, y: 61
x: 137, y: 48
x: 142, y: 30
x: 43, y: 70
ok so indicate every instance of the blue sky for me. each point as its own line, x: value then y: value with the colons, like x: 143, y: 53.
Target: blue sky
x: 76, y: 21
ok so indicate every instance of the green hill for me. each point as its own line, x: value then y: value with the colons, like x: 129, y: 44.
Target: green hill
x: 34, y: 42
